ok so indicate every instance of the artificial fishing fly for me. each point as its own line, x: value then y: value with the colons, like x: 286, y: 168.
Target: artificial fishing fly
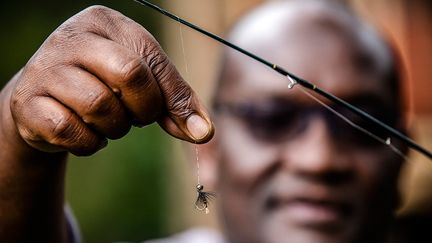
x: 203, y: 199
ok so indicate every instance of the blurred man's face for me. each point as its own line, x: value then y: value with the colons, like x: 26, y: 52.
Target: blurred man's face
x: 289, y: 170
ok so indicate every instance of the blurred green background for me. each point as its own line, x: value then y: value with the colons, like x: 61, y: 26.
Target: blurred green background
x: 117, y: 194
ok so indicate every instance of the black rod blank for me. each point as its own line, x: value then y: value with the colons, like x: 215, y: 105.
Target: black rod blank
x: 408, y: 141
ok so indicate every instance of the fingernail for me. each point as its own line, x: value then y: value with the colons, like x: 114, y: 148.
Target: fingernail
x: 197, y: 126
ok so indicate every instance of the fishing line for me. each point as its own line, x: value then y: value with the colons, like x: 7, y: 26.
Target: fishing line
x: 197, y: 165
x: 183, y: 50
x: 203, y: 197
x: 187, y: 77
x: 306, y: 84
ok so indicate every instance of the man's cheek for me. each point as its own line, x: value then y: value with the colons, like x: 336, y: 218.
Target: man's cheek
x: 243, y: 156
x: 377, y: 168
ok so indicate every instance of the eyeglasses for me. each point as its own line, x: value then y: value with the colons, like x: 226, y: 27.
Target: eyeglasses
x: 280, y: 120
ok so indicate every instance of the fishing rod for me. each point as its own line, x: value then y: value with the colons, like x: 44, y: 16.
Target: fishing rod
x: 296, y: 80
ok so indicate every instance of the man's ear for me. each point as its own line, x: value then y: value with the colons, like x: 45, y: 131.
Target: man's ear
x: 208, y: 164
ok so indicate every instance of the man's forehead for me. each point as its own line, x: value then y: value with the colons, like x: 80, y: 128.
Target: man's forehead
x: 274, y: 19
x: 316, y: 45
x: 278, y: 25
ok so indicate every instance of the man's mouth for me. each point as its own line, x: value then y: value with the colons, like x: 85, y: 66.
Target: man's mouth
x: 320, y: 213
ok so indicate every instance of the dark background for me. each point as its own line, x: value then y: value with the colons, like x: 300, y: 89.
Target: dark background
x: 118, y: 193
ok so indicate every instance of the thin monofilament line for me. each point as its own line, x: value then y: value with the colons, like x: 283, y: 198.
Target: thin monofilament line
x: 354, y: 125
x: 183, y: 50
x: 197, y: 164
x: 187, y: 76
x: 364, y: 115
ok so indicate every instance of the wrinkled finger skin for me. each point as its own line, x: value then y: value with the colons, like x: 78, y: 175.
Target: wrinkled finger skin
x: 93, y: 78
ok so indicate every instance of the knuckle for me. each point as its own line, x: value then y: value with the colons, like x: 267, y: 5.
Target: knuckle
x: 133, y: 74
x: 28, y: 135
x: 45, y: 63
x: 68, y: 134
x: 20, y: 102
x: 85, y: 21
x: 158, y: 63
x: 16, y: 101
x: 98, y: 102
x: 63, y: 127
x: 178, y: 95
x: 67, y: 34
x: 97, y: 10
x: 180, y: 101
x: 94, y: 19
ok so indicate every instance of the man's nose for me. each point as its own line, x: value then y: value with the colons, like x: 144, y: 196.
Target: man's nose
x: 315, y: 154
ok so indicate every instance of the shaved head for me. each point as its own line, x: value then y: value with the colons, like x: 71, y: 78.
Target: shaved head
x: 305, y: 28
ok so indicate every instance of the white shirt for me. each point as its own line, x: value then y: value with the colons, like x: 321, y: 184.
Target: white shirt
x: 194, y: 235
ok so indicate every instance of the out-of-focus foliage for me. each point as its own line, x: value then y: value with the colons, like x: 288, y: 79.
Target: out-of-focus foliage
x: 117, y: 193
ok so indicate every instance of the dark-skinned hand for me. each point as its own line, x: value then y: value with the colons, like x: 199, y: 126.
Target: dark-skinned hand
x: 94, y: 77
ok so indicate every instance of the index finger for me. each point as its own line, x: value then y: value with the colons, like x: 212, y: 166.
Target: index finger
x: 184, y: 116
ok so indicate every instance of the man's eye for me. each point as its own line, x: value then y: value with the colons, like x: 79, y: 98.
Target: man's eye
x: 270, y: 125
x: 351, y: 134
